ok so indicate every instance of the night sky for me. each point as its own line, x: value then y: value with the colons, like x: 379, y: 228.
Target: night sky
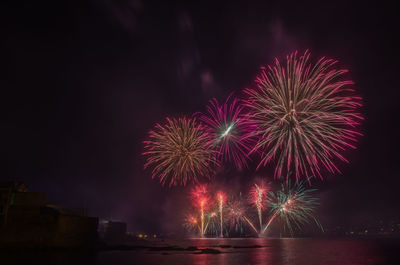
x: 82, y: 82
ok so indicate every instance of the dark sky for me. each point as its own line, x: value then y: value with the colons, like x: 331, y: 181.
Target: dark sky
x: 83, y: 82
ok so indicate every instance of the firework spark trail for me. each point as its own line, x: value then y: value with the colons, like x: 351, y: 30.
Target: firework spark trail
x: 180, y: 151
x: 305, y: 115
x: 259, y: 204
x: 202, y: 217
x: 230, y: 130
x: 257, y: 196
x: 221, y: 204
x: 211, y: 216
x: 200, y: 198
x: 269, y: 222
x: 250, y: 223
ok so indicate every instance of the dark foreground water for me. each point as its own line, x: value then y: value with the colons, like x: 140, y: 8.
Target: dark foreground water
x: 297, y: 251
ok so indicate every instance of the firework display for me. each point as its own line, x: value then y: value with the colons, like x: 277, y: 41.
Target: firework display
x: 236, y: 210
x: 301, y: 118
x: 191, y: 224
x: 294, y: 205
x: 257, y: 198
x: 179, y: 151
x: 230, y: 130
x: 306, y: 115
x: 200, y: 200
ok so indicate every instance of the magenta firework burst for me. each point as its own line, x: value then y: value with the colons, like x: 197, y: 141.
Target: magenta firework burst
x: 230, y: 131
x: 306, y: 115
x: 179, y: 151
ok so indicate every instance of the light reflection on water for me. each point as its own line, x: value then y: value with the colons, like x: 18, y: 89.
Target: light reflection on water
x: 273, y: 251
x: 288, y: 251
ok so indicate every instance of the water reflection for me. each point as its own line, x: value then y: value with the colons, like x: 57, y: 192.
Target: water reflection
x: 233, y: 252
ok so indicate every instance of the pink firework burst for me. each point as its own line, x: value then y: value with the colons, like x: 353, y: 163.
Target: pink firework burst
x: 230, y: 130
x: 306, y: 115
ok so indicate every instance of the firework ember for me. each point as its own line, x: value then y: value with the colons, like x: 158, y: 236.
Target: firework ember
x: 179, y: 151
x: 306, y: 115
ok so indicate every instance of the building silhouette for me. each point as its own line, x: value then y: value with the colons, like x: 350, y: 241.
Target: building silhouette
x: 27, y: 220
